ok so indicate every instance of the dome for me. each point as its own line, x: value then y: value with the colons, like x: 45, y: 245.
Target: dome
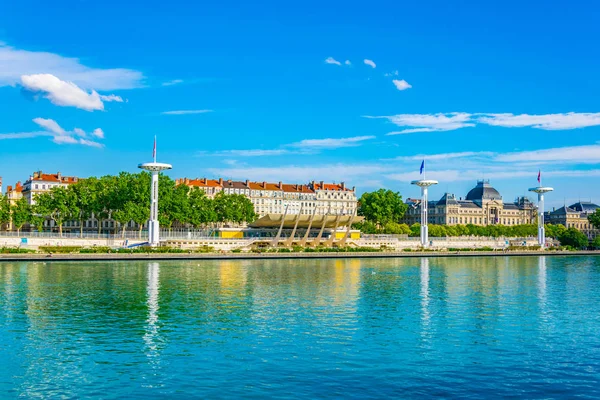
x: 483, y: 191
x: 584, y: 206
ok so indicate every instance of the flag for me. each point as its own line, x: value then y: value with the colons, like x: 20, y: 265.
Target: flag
x: 540, y: 176
x: 422, y: 167
x: 154, y: 149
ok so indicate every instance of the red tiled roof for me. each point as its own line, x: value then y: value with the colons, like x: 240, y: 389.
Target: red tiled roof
x: 198, y: 182
x: 39, y: 176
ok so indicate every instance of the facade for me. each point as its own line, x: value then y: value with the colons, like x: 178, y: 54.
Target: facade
x: 280, y: 198
x: 482, y: 206
x: 40, y: 182
x: 574, y: 216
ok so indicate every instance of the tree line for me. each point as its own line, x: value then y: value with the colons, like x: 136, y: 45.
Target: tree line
x: 384, y: 209
x: 125, y: 198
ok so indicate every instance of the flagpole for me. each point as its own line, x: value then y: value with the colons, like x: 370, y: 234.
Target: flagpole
x: 154, y: 148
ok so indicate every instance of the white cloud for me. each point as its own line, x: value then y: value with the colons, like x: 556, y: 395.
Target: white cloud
x: 58, y: 134
x: 394, y: 73
x: 331, y: 143
x: 50, y: 125
x: 173, y: 82
x: 23, y: 135
x: 429, y: 122
x: 90, y: 143
x: 445, y: 156
x: 575, y: 154
x: 99, y: 133
x: 79, y: 132
x: 451, y: 121
x: 301, y: 173
x: 66, y: 94
x: 64, y: 139
x: 562, y: 121
x: 370, y: 63
x: 331, y: 60
x: 401, y: 84
x: 111, y: 97
x: 15, y: 63
x: 251, y: 152
x: 185, y: 112
x: 347, y: 62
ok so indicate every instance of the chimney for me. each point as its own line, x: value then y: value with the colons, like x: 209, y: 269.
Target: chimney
x: 221, y: 181
x: 59, y: 176
x: 264, y: 185
x: 354, y: 188
x: 280, y: 185
x: 343, y: 185
x: 322, y: 184
x: 247, y: 182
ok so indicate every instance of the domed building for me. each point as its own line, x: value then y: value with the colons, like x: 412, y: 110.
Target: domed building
x: 483, y: 205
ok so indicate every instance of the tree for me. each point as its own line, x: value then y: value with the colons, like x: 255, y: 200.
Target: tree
x: 84, y: 193
x: 106, y: 200
x: 4, y: 210
x: 572, y: 237
x: 596, y: 243
x: 382, y: 206
x: 20, y: 213
x: 58, y: 204
x: 594, y: 218
x: 201, y: 208
x: 554, y: 231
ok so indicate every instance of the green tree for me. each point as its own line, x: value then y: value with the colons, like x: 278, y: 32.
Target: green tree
x: 572, y: 237
x: 554, y: 231
x: 58, y: 204
x: 415, y: 230
x: 106, y: 199
x: 84, y: 193
x: 596, y: 243
x: 594, y: 218
x: 4, y: 210
x: 201, y: 209
x: 382, y: 206
x: 20, y: 214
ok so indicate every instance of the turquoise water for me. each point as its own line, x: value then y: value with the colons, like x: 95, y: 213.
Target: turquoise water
x: 441, y: 327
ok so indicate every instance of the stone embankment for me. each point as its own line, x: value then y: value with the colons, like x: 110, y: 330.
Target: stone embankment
x: 266, y: 256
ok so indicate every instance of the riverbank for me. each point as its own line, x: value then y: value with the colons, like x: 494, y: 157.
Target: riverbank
x: 262, y: 256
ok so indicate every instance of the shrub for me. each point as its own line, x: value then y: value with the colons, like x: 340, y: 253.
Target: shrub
x: 95, y: 250
x: 60, y: 249
x: 15, y: 250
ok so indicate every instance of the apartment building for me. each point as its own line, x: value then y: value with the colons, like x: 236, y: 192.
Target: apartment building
x: 40, y: 182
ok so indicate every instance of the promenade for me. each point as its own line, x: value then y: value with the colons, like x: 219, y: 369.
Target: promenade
x: 275, y: 256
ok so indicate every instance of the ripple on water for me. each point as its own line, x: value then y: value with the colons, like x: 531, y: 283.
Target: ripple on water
x: 473, y: 328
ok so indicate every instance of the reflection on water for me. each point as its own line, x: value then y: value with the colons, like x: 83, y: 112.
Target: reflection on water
x: 448, y: 327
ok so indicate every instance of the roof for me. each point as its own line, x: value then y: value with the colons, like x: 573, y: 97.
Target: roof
x: 39, y: 176
x: 468, y: 204
x: 264, y: 186
x: 295, y: 188
x: 199, y: 182
x: 563, y: 210
x: 274, y: 221
x: 584, y: 206
x: 330, y: 186
x: 447, y: 198
x: 234, y: 185
x: 483, y: 191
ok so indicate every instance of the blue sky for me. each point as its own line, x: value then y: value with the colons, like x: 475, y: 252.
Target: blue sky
x: 262, y: 90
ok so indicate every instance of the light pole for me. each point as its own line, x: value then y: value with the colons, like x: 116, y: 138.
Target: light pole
x: 424, y: 184
x: 540, y: 190
x: 155, y: 168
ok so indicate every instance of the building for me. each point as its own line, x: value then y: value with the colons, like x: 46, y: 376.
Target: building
x: 14, y: 193
x: 40, y: 182
x: 280, y: 198
x: 574, y: 216
x: 482, y: 206
x: 210, y: 186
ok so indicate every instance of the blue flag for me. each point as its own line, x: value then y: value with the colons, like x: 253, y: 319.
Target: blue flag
x: 422, y: 167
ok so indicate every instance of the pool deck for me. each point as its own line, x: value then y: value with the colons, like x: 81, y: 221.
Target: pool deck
x: 275, y: 256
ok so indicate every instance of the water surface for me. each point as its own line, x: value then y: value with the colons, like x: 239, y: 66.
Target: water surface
x: 372, y: 328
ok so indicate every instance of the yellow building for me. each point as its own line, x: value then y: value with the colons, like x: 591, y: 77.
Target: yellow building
x: 483, y: 206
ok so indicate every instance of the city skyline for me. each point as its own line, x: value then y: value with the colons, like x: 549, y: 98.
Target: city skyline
x: 347, y: 94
